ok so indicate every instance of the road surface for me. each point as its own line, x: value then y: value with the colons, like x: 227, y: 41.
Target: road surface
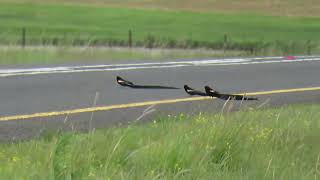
x: 26, y: 91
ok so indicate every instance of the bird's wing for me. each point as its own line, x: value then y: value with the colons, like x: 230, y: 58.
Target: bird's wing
x: 124, y: 82
x: 192, y: 91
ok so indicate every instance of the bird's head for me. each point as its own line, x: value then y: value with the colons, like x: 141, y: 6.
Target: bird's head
x: 120, y: 80
x: 187, y: 88
x: 208, y: 89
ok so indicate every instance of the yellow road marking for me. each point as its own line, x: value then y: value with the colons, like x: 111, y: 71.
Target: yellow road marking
x: 139, y: 104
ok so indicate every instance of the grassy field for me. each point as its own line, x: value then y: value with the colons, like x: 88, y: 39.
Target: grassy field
x: 281, y: 143
x: 269, y: 7
x: 59, y: 24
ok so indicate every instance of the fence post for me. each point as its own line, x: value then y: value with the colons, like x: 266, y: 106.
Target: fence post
x: 225, y: 42
x: 23, y: 40
x: 130, y: 38
x: 64, y: 39
x: 309, y: 47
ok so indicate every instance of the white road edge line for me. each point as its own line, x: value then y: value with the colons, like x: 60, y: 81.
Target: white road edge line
x: 155, y: 65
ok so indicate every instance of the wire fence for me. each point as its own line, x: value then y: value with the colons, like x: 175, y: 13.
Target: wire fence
x: 24, y: 38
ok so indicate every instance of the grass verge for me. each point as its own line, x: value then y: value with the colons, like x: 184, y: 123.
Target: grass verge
x: 280, y: 143
x: 39, y: 55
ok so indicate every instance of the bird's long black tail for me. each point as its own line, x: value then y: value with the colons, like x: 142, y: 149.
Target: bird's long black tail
x: 246, y: 98
x: 237, y: 97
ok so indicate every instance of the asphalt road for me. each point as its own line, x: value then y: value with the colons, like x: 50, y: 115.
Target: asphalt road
x: 28, y: 93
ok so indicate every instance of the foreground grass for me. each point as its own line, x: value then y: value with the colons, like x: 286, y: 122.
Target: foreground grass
x: 280, y: 143
x: 14, y: 55
x: 60, y: 24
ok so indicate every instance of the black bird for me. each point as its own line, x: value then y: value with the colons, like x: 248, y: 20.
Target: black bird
x: 213, y: 93
x: 123, y: 82
x: 193, y: 92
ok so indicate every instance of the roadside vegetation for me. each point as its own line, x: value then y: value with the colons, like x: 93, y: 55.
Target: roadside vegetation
x: 34, y: 23
x: 45, y: 55
x: 276, y: 143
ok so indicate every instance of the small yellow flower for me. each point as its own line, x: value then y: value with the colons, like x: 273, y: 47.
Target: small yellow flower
x: 208, y: 147
x: 152, y: 172
x: 264, y: 133
x: 306, y: 124
x: 177, y: 167
x: 91, y: 174
x: 228, y: 145
x: 15, y: 159
x: 252, y: 139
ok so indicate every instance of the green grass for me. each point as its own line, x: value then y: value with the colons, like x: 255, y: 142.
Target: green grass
x: 270, y: 7
x: 93, y: 25
x: 13, y: 55
x: 280, y: 143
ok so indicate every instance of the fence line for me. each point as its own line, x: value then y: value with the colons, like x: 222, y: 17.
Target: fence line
x: 151, y: 41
